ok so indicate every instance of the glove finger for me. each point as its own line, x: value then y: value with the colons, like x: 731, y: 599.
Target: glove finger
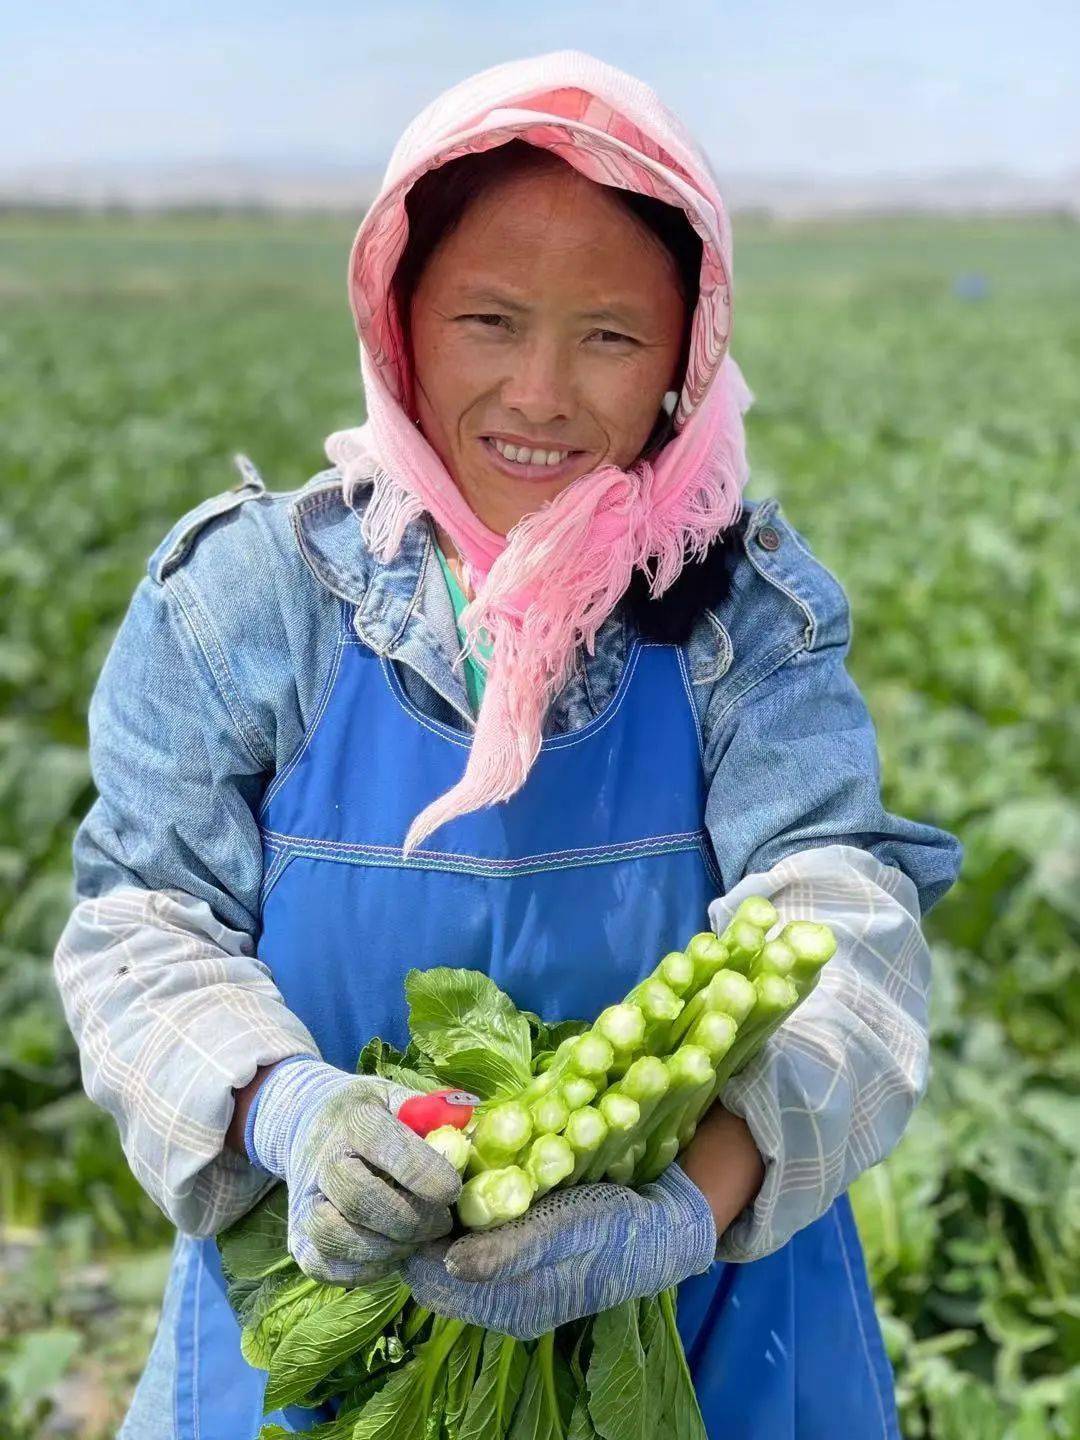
x: 345, y: 1273
x: 384, y: 1141
x: 435, y: 1290
x: 328, y: 1248
x: 520, y: 1308
x: 563, y: 1225
x: 376, y: 1204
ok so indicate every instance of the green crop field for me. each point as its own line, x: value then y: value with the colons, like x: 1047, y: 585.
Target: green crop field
x: 924, y: 436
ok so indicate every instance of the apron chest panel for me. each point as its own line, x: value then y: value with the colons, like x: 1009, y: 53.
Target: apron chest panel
x: 565, y: 895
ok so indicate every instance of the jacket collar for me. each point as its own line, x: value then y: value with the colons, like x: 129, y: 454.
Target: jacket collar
x: 403, y: 609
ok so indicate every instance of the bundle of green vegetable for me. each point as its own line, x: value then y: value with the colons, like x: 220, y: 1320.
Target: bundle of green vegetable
x: 561, y: 1104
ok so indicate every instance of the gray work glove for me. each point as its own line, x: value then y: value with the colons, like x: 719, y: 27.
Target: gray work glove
x: 364, y: 1189
x: 574, y: 1253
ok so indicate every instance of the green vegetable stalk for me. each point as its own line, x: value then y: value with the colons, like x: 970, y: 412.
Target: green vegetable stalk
x: 495, y: 1196
x: 623, y: 1027
x: 549, y: 1114
x: 586, y: 1131
x: 676, y: 970
x: 708, y: 954
x: 453, y: 1144
x: 813, y: 944
x: 643, y: 1085
x: 776, y: 998
x: 620, y: 1113
x: 728, y: 992
x: 500, y: 1134
x: 690, y: 1074
x: 550, y: 1160
x: 713, y: 1004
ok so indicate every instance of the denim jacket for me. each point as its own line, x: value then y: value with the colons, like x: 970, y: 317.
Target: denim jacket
x: 208, y: 690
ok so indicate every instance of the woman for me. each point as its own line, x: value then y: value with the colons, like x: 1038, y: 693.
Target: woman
x: 304, y: 791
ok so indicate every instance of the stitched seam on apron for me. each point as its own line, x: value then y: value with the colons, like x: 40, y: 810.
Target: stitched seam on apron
x: 706, y: 842
x: 328, y: 689
x: 279, y: 837
x: 464, y: 867
x: 176, y: 1347
x: 282, y: 856
x: 859, y: 1321
x: 197, y: 1311
x: 554, y: 742
x: 690, y: 701
x: 287, y: 860
x: 391, y: 856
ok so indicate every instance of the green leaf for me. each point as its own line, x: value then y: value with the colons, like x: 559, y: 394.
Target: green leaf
x: 581, y: 1426
x: 395, y: 1411
x: 649, y: 1320
x: 968, y: 1411
x: 461, y: 1377
x: 503, y: 1366
x: 470, y: 1030
x: 340, y: 1428
x: 616, y: 1377
x: 1056, y: 1112
x: 546, y: 1036
x: 893, y: 1202
x: 281, y: 1302
x: 409, y: 1067
x: 250, y: 1299
x: 36, y: 1362
x: 538, y: 1415
x: 673, y: 1408
x: 256, y: 1244
x: 360, y: 1375
x: 329, y: 1334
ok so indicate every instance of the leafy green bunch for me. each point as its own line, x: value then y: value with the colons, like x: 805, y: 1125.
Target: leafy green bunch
x: 395, y: 1370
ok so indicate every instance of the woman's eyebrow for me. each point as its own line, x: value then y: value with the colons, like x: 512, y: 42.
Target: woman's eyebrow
x: 489, y: 297
x: 625, y: 316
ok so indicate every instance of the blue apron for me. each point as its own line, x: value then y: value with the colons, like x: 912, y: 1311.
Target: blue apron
x: 566, y: 895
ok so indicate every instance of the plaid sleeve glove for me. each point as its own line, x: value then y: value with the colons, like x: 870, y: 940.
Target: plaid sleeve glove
x: 575, y: 1253
x: 364, y: 1190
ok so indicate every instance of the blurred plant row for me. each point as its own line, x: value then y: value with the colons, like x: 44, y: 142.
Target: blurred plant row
x: 927, y: 447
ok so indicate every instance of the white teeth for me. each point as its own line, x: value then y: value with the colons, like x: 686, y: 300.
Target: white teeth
x: 524, y: 456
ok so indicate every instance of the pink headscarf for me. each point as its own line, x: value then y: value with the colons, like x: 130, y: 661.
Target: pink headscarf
x: 547, y: 587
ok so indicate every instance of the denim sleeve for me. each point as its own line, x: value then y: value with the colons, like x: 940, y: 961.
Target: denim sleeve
x: 795, y: 813
x: 794, y: 764
x: 156, y: 967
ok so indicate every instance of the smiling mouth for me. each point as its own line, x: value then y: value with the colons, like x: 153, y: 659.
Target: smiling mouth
x: 529, y: 463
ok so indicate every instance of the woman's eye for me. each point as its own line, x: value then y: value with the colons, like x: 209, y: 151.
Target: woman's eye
x: 491, y: 321
x: 614, y: 337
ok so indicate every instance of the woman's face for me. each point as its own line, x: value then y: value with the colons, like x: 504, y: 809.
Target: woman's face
x: 550, y: 319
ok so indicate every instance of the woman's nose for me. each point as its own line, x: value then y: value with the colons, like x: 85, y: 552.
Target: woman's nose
x: 539, y: 385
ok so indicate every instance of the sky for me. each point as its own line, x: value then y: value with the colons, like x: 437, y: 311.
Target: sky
x: 777, y: 87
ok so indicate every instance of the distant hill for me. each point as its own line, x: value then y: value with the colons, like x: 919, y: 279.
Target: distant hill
x: 347, y: 188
